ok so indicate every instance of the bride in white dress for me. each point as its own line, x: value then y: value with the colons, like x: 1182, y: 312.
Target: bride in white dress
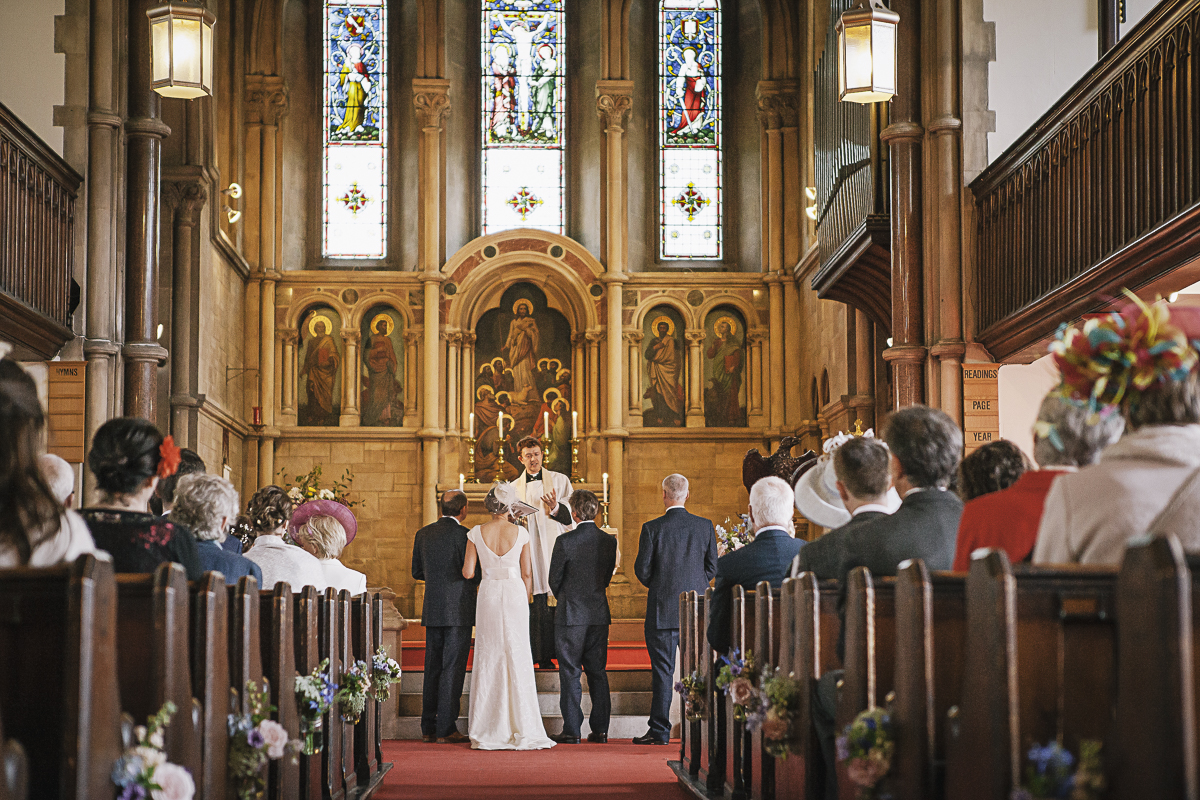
x: 504, y: 712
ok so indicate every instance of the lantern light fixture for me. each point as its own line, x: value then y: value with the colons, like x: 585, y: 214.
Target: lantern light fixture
x: 181, y: 50
x: 866, y: 43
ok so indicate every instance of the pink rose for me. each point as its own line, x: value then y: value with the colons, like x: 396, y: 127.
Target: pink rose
x: 274, y: 736
x: 174, y: 783
x: 774, y: 728
x: 740, y: 691
x: 866, y: 771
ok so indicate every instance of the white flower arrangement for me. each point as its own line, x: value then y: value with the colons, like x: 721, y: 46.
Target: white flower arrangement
x: 143, y: 772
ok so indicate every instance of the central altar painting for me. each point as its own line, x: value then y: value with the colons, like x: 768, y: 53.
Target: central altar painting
x: 523, y: 376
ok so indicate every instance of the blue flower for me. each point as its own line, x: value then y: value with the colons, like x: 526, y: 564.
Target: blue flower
x: 843, y: 748
x: 254, y: 738
x: 126, y: 770
x: 132, y: 792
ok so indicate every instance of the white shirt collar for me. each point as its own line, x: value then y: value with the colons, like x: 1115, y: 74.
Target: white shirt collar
x: 925, y: 489
x: 672, y: 508
x: 761, y: 531
x: 882, y: 509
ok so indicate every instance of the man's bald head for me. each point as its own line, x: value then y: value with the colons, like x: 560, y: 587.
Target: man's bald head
x: 454, y: 504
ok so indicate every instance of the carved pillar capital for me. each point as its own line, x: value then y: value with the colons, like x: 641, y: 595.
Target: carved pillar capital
x: 695, y: 337
x: 634, y: 337
x: 454, y: 338
x: 594, y: 337
x: 614, y: 99
x: 351, y: 337
x: 431, y: 99
x: 266, y: 99
x: 778, y: 106
x: 290, y: 336
x: 468, y: 339
x: 756, y: 337
x: 187, y: 196
x: 411, y: 336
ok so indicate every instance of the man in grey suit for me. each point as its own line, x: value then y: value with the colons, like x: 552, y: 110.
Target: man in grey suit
x: 677, y: 553
x: 448, y: 615
x: 924, y: 447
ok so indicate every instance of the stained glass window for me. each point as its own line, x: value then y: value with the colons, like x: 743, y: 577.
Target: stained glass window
x: 523, y: 86
x: 355, y: 129
x: 689, y: 123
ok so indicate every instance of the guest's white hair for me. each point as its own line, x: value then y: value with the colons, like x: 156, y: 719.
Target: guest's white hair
x: 58, y: 475
x: 201, y: 501
x: 326, y: 534
x: 771, y: 502
x: 675, y: 487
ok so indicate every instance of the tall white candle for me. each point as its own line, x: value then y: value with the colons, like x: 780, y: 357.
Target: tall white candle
x: 605, y: 477
x: 462, y: 479
x: 546, y: 424
x: 472, y: 421
x: 500, y: 425
x: 574, y: 424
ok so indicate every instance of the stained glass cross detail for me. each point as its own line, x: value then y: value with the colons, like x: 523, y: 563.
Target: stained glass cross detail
x: 354, y: 199
x: 690, y: 201
x: 524, y: 202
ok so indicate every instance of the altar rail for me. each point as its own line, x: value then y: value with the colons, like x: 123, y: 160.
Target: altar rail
x: 37, y: 226
x: 1115, y: 162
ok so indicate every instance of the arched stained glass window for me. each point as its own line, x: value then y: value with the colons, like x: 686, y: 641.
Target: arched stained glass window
x: 355, y: 129
x: 523, y: 85
x: 689, y: 123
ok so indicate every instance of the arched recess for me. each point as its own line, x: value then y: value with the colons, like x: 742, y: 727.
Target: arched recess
x: 385, y: 378
x: 649, y: 304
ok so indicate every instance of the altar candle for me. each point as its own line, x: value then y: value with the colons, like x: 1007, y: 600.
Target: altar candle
x: 472, y: 423
x: 500, y: 426
x: 546, y: 424
x: 462, y: 479
x: 574, y: 424
x: 605, y: 476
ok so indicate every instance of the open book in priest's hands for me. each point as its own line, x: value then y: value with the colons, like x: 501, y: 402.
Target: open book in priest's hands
x: 521, y: 509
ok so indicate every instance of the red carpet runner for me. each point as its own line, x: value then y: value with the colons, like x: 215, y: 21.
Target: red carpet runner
x: 594, y: 771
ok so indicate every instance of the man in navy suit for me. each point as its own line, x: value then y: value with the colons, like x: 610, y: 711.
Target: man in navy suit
x: 581, y: 567
x: 767, y: 558
x: 677, y: 553
x: 448, y: 615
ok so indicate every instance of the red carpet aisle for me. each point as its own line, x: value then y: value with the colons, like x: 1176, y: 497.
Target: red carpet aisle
x: 455, y: 772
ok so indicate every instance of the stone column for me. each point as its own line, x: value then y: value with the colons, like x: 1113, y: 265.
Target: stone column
x: 144, y: 133
x: 453, y: 368
x: 467, y: 381
x: 431, y: 98
x: 411, y: 363
x: 793, y: 401
x: 579, y: 377
x: 754, y: 339
x: 593, y: 389
x: 864, y: 368
x: 351, y: 379
x: 775, y: 291
x: 188, y: 197
x: 266, y: 378
x: 633, y: 338
x: 903, y: 136
x: 695, y: 391
x: 290, y: 339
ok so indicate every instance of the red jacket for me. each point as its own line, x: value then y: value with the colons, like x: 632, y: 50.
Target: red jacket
x: 1007, y: 519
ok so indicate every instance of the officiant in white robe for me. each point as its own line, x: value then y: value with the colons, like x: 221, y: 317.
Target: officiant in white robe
x: 547, y: 491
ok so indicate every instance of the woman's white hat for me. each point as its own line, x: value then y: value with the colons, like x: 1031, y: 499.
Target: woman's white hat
x: 817, y: 497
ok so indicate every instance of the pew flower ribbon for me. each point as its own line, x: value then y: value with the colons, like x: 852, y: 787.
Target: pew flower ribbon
x: 691, y: 689
x: 866, y: 747
x: 314, y: 697
x: 738, y: 678
x: 384, y: 672
x: 352, y: 697
x: 255, y: 739
x: 143, y: 772
x: 1048, y: 773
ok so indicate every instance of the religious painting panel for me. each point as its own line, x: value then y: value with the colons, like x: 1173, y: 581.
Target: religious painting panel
x: 320, y: 357
x: 354, y: 126
x: 664, y: 369
x: 523, y: 383
x: 523, y: 114
x: 725, y: 368
x: 382, y: 403
x: 689, y: 123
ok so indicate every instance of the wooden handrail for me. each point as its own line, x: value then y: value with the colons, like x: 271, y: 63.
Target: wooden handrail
x: 1113, y: 162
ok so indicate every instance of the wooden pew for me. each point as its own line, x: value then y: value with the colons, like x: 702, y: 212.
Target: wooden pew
x: 14, y: 769
x: 685, y: 643
x: 712, y: 729
x: 799, y: 644
x: 277, y: 642
x: 245, y: 650
x: 738, y: 758
x: 761, y: 780
x: 306, y: 650
x: 210, y: 681
x: 153, y: 659
x: 329, y: 636
x: 692, y: 654
x: 366, y: 748
x: 58, y: 644
x: 345, y: 644
x: 1040, y: 665
x: 377, y: 642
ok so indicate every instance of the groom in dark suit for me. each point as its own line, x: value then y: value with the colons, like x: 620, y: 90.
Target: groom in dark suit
x: 448, y: 614
x: 581, y: 567
x: 676, y: 553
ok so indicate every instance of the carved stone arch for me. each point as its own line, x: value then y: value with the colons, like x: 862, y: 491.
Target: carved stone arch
x: 748, y: 312
x: 649, y: 304
x: 298, y: 309
x: 359, y: 310
x: 266, y: 37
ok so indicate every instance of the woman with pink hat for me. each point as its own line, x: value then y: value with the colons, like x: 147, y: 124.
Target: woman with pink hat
x: 324, y: 528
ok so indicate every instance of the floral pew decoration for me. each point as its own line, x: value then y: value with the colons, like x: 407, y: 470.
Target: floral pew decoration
x: 255, y: 739
x: 779, y: 707
x: 315, y: 694
x: 1049, y: 775
x: 385, y: 671
x: 352, y: 697
x: 737, y: 678
x: 691, y: 689
x: 143, y: 772
x: 866, y: 747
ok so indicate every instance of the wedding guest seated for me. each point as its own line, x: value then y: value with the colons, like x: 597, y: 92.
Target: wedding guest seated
x: 817, y: 496
x: 1149, y: 481
x: 207, y: 505
x: 60, y: 477
x: 189, y: 463
x: 35, y: 529
x: 994, y: 467
x: 767, y: 558
x: 1063, y: 441
x: 128, y: 457
x: 270, y: 512
x: 324, y: 528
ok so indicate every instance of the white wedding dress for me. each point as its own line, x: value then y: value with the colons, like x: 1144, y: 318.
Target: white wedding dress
x: 504, y: 712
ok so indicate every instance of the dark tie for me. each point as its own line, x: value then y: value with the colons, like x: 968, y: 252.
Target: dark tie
x: 531, y: 478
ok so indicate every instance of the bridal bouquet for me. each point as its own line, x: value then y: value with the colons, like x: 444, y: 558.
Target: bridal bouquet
x: 738, y: 678
x: 866, y: 746
x: 384, y: 672
x: 352, y: 697
x: 691, y: 689
x: 255, y: 739
x: 734, y: 536
x: 314, y: 696
x: 1048, y: 773
x: 143, y: 772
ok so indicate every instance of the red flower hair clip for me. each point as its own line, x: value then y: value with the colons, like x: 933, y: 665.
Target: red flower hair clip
x: 168, y: 458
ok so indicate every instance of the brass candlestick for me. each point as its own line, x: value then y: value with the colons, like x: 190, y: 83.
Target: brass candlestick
x: 500, y: 462
x: 471, y: 460
x: 575, y: 476
x: 603, y: 513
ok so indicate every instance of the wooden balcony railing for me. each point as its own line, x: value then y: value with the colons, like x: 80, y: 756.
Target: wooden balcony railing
x: 853, y: 226
x: 37, y: 239
x: 1100, y: 193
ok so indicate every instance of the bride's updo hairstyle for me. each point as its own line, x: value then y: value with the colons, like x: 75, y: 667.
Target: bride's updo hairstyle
x: 500, y: 499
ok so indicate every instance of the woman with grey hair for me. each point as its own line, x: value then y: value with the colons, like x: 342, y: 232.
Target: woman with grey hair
x: 1066, y: 436
x: 208, y: 505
